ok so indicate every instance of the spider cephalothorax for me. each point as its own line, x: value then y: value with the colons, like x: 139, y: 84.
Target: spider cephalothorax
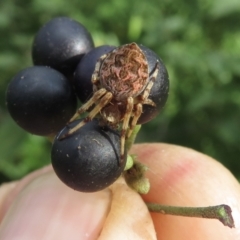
x: 121, y: 85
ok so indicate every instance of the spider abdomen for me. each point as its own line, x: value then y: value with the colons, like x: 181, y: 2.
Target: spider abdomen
x: 124, y: 72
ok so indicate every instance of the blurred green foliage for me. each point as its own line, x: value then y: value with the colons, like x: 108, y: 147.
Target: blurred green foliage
x: 199, y: 41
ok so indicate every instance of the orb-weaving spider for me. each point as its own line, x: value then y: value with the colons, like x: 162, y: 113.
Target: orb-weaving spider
x: 121, y: 85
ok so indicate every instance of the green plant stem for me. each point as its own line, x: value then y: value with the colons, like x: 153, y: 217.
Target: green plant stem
x: 220, y: 212
x: 51, y: 137
x: 130, y: 141
x: 129, y: 163
x: 135, y: 178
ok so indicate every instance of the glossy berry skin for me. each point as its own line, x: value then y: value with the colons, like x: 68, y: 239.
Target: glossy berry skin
x: 159, y: 91
x: 60, y: 44
x: 89, y: 159
x: 83, y: 73
x: 40, y: 100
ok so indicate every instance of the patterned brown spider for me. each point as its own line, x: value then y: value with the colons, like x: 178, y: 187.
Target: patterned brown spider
x: 121, y: 85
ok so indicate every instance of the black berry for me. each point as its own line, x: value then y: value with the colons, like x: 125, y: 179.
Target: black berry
x: 60, y: 44
x: 40, y: 100
x: 89, y: 159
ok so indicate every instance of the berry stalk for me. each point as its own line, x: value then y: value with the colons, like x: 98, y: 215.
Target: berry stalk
x: 221, y: 212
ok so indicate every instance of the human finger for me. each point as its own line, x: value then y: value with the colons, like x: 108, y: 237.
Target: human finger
x: 183, y: 177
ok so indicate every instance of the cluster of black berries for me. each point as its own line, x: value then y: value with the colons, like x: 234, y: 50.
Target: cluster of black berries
x: 43, y: 98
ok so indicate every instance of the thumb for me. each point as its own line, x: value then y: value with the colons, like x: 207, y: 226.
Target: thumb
x: 44, y: 208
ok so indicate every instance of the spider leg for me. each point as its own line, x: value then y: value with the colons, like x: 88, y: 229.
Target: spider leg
x: 95, y: 75
x: 143, y: 99
x: 149, y: 102
x: 95, y: 82
x: 146, y: 92
x: 102, y: 103
x: 137, y: 113
x: 125, y: 124
x: 96, y: 96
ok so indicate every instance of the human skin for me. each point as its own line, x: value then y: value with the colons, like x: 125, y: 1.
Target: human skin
x: 40, y: 206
